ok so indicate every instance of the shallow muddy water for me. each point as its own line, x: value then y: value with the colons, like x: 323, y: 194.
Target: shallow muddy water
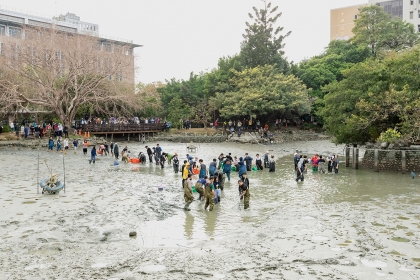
x: 354, y: 225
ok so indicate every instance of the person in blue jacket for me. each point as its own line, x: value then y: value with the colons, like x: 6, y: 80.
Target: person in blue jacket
x: 242, y: 167
x: 92, y: 155
x: 227, y: 167
x: 213, y: 167
x: 50, y: 144
x: 248, y: 162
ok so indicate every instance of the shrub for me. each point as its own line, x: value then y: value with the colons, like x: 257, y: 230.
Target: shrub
x: 389, y: 136
x: 6, y: 128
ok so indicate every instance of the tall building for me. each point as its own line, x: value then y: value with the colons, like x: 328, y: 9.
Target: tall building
x: 342, y: 22
x: 13, y: 25
x: 408, y: 10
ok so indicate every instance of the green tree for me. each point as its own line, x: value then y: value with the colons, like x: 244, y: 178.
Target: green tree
x: 263, y: 42
x: 264, y: 90
x: 374, y: 96
x: 148, y: 99
x: 178, y: 110
x: 376, y: 29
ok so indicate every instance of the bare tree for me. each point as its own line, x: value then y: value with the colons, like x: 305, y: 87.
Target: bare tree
x: 60, y: 71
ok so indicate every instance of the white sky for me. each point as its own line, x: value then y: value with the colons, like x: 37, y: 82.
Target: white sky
x: 180, y: 36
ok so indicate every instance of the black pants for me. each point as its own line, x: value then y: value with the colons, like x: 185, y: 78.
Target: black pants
x: 150, y: 158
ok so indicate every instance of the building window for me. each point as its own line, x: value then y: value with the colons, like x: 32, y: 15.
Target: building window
x: 2, y: 30
x: 14, y: 31
x: 418, y: 28
x: 411, y: 15
x: 355, y: 16
x: 1, y: 49
x: 411, y: 2
x: 419, y: 14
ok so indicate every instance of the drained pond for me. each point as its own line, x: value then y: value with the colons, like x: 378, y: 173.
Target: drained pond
x: 356, y: 224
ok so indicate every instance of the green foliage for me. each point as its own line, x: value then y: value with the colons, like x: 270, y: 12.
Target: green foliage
x: 375, y: 29
x: 389, y: 136
x: 373, y: 96
x: 6, y: 129
x: 263, y: 42
x: 264, y: 90
x: 178, y: 110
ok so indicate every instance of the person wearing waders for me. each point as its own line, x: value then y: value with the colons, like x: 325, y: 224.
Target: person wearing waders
x: 266, y: 159
x: 111, y: 146
x: 245, y: 180
x: 162, y: 160
x: 242, y: 167
x: 116, y: 151
x: 300, y: 169
x: 248, y: 162
x: 203, y: 169
x: 158, y: 150
x: 244, y: 193
x: 296, y: 160
x: 199, y: 187
x: 227, y: 168
x: 213, y: 167
x: 149, y: 153
x: 188, y: 194
x: 175, y: 163
x: 335, y: 164
x: 222, y: 179
x: 321, y: 165
x: 258, y: 162
x: 272, y: 164
x: 210, y: 195
x: 185, y: 171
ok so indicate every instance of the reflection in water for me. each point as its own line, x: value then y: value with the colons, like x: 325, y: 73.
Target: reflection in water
x: 188, y: 225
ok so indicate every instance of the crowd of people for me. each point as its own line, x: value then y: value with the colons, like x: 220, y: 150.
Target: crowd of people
x: 208, y: 180
x: 318, y: 164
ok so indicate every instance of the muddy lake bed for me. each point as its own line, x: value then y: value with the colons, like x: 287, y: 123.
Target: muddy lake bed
x: 357, y: 224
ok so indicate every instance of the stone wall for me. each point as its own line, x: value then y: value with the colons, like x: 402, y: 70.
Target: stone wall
x: 392, y: 160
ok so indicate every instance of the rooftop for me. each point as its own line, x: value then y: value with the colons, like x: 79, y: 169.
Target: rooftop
x: 69, y: 23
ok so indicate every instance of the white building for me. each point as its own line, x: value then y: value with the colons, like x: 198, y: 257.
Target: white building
x: 408, y: 10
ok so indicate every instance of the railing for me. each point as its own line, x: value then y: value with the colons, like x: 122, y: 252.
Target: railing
x: 121, y: 128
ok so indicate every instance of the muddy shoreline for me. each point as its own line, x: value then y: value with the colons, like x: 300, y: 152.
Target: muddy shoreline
x: 355, y: 225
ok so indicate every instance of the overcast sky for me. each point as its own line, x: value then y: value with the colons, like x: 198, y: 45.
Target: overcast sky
x: 180, y: 36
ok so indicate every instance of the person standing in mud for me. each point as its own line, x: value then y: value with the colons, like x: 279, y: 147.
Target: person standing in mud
x: 258, y: 162
x: 266, y: 160
x: 296, y: 160
x: 321, y: 165
x: 248, y: 162
x: 210, y: 195
x: 158, y: 150
x: 202, y: 168
x: 188, y: 194
x: 75, y: 144
x: 199, y: 187
x: 116, y: 151
x: 213, y: 167
x: 335, y: 164
x: 272, y: 164
x: 111, y: 146
x: 175, y: 163
x: 162, y: 160
x: 92, y: 155
x: 300, y: 169
x: 85, y: 146
x: 244, y: 193
x: 245, y: 180
x: 185, y: 171
x: 149, y: 154
x: 227, y: 168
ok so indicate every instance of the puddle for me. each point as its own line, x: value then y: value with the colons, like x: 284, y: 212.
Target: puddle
x: 377, y: 224
x: 393, y: 252
x: 402, y: 227
x: 29, y: 202
x: 403, y: 218
x: 416, y: 259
